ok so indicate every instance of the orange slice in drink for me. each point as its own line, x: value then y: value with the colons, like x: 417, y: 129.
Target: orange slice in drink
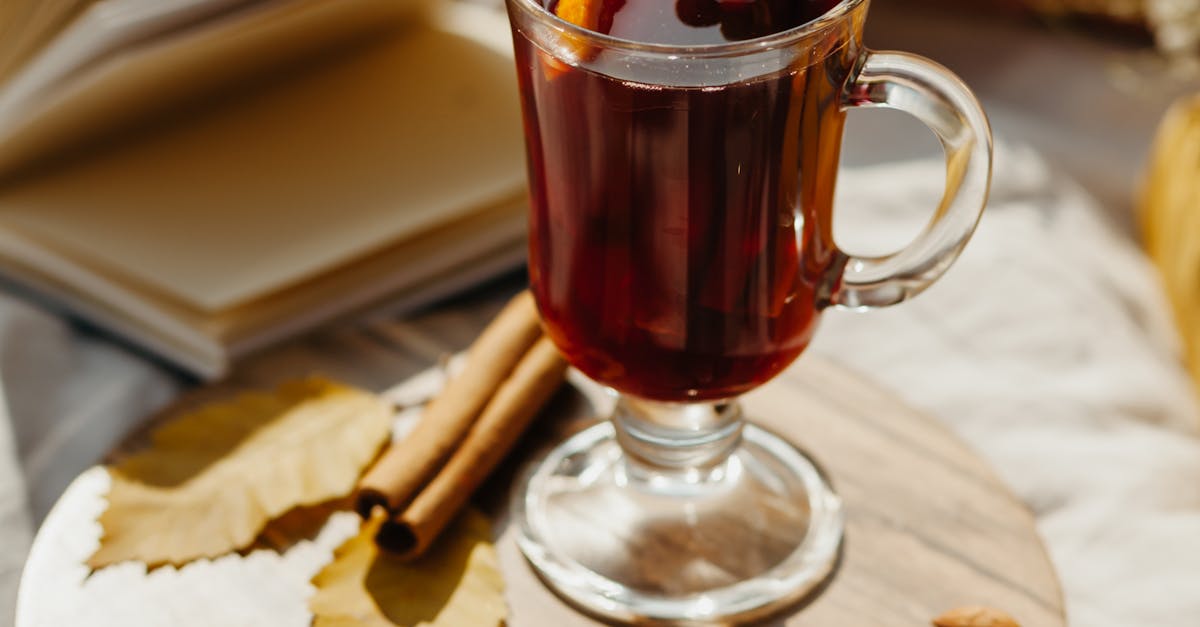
x: 582, y: 13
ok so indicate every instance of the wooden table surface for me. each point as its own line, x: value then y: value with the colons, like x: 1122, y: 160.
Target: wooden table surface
x: 929, y: 526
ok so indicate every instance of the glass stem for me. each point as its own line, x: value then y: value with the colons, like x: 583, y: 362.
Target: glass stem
x: 685, y: 441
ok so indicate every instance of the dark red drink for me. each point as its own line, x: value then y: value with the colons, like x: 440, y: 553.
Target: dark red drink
x: 679, y: 243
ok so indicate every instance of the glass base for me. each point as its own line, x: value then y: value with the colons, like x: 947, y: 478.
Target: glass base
x: 736, y: 540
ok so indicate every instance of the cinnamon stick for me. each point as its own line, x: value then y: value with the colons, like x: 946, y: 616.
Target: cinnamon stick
x: 516, y: 402
x: 411, y: 463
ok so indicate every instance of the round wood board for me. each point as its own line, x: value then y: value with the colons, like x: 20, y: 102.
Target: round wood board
x: 929, y: 528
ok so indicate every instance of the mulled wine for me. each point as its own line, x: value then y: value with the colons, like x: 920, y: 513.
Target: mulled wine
x: 682, y: 158
x: 680, y: 242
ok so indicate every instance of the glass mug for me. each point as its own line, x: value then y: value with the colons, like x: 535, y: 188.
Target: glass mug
x: 681, y: 253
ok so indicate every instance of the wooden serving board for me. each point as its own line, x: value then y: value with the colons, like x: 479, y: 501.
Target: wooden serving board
x: 929, y: 526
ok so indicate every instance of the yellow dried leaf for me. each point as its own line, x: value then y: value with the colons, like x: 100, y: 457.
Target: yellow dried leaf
x: 457, y: 582
x: 1171, y: 221
x: 300, y: 524
x: 212, y: 479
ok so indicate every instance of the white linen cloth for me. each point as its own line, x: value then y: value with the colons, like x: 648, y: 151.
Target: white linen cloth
x: 66, y: 398
x: 1047, y: 348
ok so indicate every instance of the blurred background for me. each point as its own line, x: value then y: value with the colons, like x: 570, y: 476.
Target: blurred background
x: 1085, y: 82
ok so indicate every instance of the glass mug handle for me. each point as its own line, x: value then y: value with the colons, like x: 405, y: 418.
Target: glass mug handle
x: 937, y: 97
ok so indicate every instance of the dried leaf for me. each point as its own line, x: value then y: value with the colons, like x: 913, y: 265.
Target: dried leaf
x: 1171, y: 222
x: 212, y: 479
x: 457, y: 582
x: 299, y: 524
x: 975, y: 616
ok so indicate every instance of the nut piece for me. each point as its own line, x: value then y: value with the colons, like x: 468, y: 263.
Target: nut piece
x: 975, y: 616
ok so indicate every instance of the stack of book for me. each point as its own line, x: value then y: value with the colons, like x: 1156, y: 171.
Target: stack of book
x: 206, y: 177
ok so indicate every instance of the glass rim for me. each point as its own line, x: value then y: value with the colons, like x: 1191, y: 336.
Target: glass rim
x: 539, y: 12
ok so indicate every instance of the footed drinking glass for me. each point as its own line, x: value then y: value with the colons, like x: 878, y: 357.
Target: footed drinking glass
x: 681, y: 254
